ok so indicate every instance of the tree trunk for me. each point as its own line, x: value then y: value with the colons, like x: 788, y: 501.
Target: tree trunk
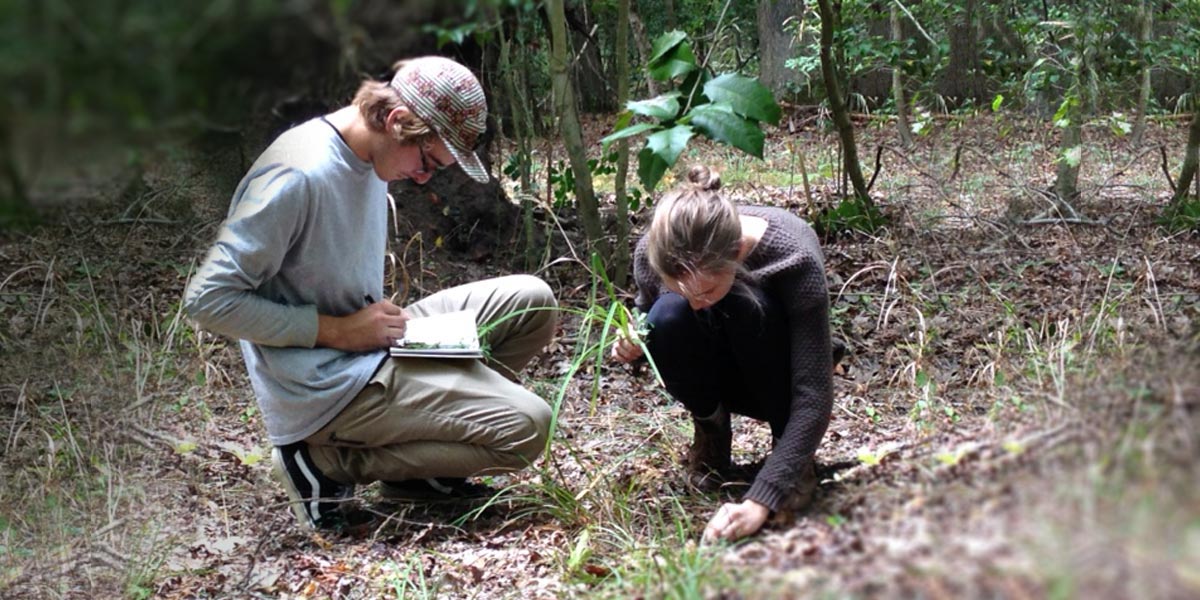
x: 564, y: 101
x: 595, y: 95
x: 521, y: 134
x: 837, y: 104
x: 15, y: 208
x: 621, y: 254
x: 776, y: 45
x: 1146, y: 17
x: 643, y: 48
x: 1191, y: 158
x: 898, y: 85
x: 962, y: 77
x: 1066, y: 179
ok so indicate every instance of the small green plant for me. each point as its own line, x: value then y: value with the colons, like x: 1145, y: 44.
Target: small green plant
x: 410, y: 580
x: 872, y: 414
x: 1184, y: 216
x: 562, y: 178
x: 851, y: 214
x: 603, y: 322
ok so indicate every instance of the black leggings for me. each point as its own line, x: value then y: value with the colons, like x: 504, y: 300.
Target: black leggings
x: 735, y: 353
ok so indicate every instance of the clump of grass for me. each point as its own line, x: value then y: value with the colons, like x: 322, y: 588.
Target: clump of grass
x: 67, y: 517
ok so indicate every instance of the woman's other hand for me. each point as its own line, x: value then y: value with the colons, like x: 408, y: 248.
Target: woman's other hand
x: 626, y: 350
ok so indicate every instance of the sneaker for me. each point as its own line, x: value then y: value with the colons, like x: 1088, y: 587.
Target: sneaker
x: 439, y: 489
x: 314, y: 498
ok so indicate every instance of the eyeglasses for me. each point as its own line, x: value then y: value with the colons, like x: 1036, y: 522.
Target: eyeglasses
x: 426, y: 161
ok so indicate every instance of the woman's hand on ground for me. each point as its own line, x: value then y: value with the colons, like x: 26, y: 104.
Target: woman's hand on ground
x: 375, y: 326
x: 734, y: 521
x: 626, y: 350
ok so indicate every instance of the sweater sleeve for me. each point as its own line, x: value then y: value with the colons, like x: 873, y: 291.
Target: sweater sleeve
x: 648, y: 283
x: 807, y: 309
x: 223, y: 295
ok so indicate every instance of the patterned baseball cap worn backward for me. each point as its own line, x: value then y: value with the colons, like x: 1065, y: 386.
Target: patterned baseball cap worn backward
x: 447, y: 97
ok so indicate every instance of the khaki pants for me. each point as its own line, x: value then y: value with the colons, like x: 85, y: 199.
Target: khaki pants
x: 420, y: 417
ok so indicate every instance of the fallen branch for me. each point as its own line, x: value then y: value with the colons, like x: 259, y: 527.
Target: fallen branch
x: 1064, y: 221
x: 246, y: 581
x: 1162, y: 148
x: 957, y: 163
x: 878, y: 156
x: 1121, y: 171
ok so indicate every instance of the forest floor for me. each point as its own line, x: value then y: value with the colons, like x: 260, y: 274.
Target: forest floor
x: 1018, y: 417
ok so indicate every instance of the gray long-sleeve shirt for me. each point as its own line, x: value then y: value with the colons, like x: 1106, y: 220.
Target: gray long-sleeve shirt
x: 305, y: 235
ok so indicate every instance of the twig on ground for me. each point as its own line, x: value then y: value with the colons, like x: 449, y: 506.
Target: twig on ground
x: 1065, y: 221
x: 878, y: 159
x: 245, y: 583
x: 1122, y: 170
x: 1162, y: 148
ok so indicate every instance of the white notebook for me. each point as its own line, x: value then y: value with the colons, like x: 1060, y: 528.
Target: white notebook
x: 448, y: 335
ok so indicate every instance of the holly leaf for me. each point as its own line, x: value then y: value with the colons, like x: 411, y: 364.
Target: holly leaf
x: 664, y: 44
x: 630, y: 131
x: 650, y: 168
x: 718, y: 122
x: 747, y: 97
x: 663, y: 108
x: 669, y: 143
x: 675, y: 61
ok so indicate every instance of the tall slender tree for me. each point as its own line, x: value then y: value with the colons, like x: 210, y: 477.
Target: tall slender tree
x: 621, y: 255
x: 1191, y: 160
x: 522, y: 133
x: 1145, y: 32
x: 572, y: 136
x: 898, y: 83
x: 837, y: 102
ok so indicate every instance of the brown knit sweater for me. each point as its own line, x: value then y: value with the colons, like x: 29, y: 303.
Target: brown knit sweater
x: 787, y: 264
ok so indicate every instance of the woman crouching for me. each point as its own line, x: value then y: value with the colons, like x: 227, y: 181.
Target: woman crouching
x: 738, y: 308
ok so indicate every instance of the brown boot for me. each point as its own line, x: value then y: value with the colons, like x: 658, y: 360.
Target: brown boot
x: 708, y: 458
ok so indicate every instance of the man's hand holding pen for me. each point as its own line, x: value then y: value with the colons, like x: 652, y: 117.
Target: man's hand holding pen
x: 377, y: 325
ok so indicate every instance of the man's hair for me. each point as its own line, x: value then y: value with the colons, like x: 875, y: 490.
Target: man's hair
x: 695, y: 229
x: 376, y: 99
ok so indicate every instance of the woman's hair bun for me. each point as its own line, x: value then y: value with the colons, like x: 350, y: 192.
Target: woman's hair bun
x: 704, y: 179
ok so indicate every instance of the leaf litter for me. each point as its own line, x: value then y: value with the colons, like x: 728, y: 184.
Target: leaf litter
x: 1017, y: 416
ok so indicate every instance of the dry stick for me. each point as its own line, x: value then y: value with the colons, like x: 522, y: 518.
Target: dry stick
x: 605, y: 471
x: 957, y: 162
x: 891, y: 286
x: 1159, y: 319
x: 254, y: 556
x: 13, y: 430
x: 937, y: 183
x: 1122, y: 170
x: 878, y: 156
x: 804, y: 178
x: 1024, y: 187
x: 1112, y: 272
x: 1067, y: 221
x: 1162, y: 148
x: 882, y: 265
